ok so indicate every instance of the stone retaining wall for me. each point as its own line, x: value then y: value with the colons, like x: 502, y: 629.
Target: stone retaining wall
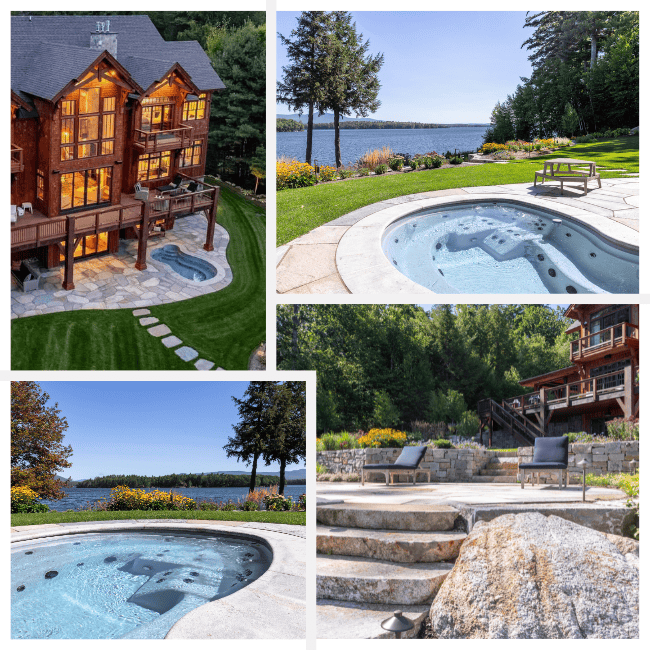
x: 601, y: 457
x: 446, y: 465
x: 458, y: 465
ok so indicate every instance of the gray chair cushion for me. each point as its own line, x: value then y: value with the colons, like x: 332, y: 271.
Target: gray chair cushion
x: 550, y: 453
x: 410, y: 458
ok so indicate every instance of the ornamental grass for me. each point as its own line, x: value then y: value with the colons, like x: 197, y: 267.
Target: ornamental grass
x: 371, y: 159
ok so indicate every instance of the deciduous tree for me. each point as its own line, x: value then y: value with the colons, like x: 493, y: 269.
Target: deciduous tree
x: 37, y: 449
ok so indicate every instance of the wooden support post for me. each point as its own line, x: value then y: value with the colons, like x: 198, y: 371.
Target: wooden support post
x: 141, y: 263
x: 68, y: 273
x: 212, y: 219
x: 629, y: 392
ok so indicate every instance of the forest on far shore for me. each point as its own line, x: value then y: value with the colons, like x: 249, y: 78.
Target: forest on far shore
x: 183, y: 480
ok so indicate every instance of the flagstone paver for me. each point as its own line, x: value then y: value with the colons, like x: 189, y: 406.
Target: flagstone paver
x: 159, y: 330
x: 187, y: 353
x: 150, y: 320
x: 113, y: 282
x: 171, y: 341
x: 308, y: 263
x: 141, y: 312
x: 204, y: 364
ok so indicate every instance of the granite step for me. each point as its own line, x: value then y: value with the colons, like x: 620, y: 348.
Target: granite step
x: 497, y: 472
x: 388, y: 516
x: 377, y: 581
x: 494, y: 479
x: 398, y: 546
x: 337, y: 619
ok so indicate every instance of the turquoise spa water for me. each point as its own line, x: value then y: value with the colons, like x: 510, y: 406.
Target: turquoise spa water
x: 124, y: 585
x: 502, y: 247
x: 189, y: 266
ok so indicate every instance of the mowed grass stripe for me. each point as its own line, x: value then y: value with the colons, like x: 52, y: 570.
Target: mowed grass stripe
x: 223, y: 327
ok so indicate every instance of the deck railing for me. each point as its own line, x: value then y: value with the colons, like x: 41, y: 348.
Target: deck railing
x: 592, y: 387
x: 177, y: 138
x: 615, y: 336
x: 16, y: 159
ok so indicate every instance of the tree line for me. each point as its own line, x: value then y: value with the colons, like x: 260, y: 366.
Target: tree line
x: 383, y: 358
x: 380, y: 124
x: 329, y: 70
x: 284, y: 125
x: 585, y: 77
x: 182, y: 480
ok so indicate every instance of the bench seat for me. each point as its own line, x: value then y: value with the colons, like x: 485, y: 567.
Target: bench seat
x: 408, y: 462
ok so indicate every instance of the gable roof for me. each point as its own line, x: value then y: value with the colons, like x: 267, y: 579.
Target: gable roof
x: 48, y: 51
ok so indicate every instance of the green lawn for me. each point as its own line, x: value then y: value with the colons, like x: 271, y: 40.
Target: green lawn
x: 223, y: 327
x: 306, y: 208
x: 30, y: 519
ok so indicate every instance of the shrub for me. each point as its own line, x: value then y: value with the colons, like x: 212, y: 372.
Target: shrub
x: 491, y: 147
x: 363, y: 171
x: 468, y: 425
x: 456, y: 160
x: 126, y: 498
x: 228, y: 507
x: 294, y: 174
x: 583, y: 436
x: 320, y: 469
x: 345, y: 173
x: 383, y: 438
x: 385, y: 413
x: 396, y: 164
x: 622, y: 429
x: 504, y: 155
x: 414, y: 163
x: 24, y: 499
x: 329, y: 442
x: 441, y: 443
x: 250, y: 506
x: 277, y: 503
x: 381, y: 169
x: 346, y: 440
x: 436, y: 162
x: 327, y: 173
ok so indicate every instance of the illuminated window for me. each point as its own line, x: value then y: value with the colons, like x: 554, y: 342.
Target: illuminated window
x: 191, y: 156
x: 194, y: 109
x: 154, y: 166
x: 87, y: 187
x: 40, y: 184
x: 83, y: 122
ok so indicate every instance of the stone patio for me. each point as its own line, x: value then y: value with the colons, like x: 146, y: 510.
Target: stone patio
x: 309, y: 264
x: 113, y: 282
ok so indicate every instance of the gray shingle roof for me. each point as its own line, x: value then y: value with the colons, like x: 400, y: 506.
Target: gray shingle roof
x: 47, y: 52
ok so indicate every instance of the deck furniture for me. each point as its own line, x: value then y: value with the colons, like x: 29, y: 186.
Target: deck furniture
x: 141, y: 193
x: 25, y: 277
x: 553, y: 171
x: 16, y: 211
x: 172, y: 187
x: 28, y: 206
x: 550, y: 455
x: 408, y: 462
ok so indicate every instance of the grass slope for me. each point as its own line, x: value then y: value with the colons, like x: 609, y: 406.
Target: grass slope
x: 40, y: 518
x: 306, y: 208
x: 223, y: 327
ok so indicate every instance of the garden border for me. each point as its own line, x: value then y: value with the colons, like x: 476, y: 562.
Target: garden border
x: 280, y: 590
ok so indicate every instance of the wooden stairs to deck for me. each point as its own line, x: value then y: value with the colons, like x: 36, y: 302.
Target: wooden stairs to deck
x: 510, y: 420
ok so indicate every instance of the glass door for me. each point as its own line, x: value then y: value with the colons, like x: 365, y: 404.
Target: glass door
x: 86, y: 188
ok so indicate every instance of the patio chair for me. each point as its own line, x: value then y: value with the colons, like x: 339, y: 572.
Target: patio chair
x: 141, y: 193
x: 550, y: 455
x: 408, y: 462
x: 174, y: 185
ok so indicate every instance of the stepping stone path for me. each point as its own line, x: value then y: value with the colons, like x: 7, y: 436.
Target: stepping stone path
x: 374, y: 559
x: 170, y: 341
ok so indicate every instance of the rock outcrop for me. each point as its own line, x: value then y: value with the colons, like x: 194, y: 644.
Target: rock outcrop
x: 528, y: 576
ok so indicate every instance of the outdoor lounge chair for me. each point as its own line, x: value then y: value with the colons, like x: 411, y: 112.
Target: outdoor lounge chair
x: 550, y: 455
x: 408, y: 462
x: 174, y: 185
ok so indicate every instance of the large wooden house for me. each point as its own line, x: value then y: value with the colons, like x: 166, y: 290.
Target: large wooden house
x: 599, y: 385
x: 99, y: 104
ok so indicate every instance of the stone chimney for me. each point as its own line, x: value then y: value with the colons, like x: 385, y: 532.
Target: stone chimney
x: 103, y: 39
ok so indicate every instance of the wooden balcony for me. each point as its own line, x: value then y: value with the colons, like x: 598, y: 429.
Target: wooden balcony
x: 167, y: 140
x: 617, y: 337
x: 617, y: 385
x: 17, y: 164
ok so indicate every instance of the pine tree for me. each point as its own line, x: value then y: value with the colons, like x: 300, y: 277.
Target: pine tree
x: 302, y: 82
x: 352, y: 82
x: 253, y: 432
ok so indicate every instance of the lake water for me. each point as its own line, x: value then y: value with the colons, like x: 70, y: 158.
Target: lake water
x: 355, y: 142
x: 78, y: 498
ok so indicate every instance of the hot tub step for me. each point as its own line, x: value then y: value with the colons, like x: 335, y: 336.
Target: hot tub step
x: 378, y: 581
x: 398, y: 546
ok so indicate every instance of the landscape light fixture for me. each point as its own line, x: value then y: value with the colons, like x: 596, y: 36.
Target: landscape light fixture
x: 583, y: 466
x: 633, y: 464
x: 397, y: 623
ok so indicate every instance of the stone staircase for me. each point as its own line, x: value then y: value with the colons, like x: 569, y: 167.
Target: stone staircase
x: 500, y: 469
x: 374, y: 559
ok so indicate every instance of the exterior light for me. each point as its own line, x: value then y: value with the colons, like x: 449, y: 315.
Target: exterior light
x: 583, y: 466
x: 633, y: 465
x: 397, y: 623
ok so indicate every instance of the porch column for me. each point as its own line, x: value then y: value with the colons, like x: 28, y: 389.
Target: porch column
x: 212, y: 219
x: 68, y: 273
x: 628, y: 400
x: 141, y: 263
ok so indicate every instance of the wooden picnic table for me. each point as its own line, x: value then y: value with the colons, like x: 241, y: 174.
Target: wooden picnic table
x: 553, y: 171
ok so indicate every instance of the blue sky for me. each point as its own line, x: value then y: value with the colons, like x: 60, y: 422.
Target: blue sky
x: 148, y: 428
x: 439, y: 66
